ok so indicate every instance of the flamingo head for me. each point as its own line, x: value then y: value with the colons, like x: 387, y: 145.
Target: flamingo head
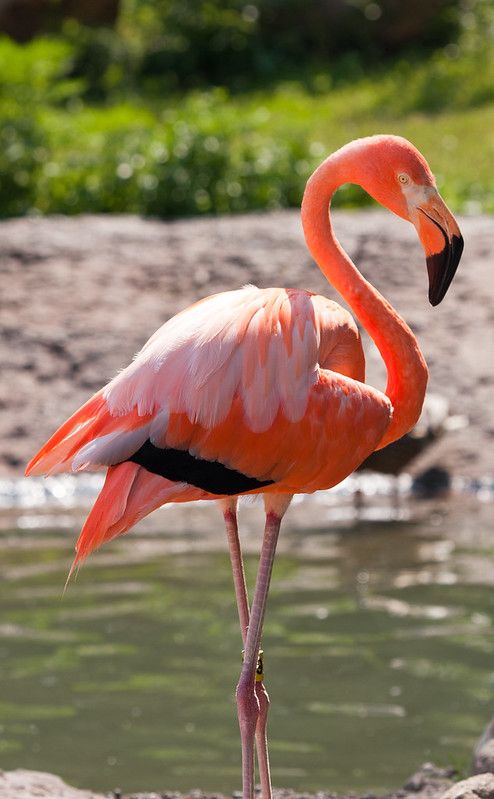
x: 393, y: 171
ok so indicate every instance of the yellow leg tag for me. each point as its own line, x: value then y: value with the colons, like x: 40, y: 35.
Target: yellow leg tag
x: 260, y: 665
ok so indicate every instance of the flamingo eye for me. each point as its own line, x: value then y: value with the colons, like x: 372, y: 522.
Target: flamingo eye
x: 404, y: 179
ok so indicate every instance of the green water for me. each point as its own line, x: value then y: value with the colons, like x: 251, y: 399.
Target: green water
x: 379, y: 649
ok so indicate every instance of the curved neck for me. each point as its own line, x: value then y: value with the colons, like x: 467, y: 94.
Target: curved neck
x: 405, y: 364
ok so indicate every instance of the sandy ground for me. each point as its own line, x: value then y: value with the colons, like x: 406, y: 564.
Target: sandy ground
x: 81, y: 295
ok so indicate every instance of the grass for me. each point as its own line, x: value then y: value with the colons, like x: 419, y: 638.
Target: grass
x: 455, y: 142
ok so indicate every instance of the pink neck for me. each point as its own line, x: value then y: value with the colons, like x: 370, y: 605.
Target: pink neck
x: 407, y: 370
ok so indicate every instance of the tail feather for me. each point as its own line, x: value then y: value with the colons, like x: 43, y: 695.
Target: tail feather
x: 91, y: 421
x: 69, y: 437
x: 108, y: 509
x: 128, y: 494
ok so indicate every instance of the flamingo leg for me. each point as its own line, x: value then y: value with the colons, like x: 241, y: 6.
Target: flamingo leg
x: 229, y: 508
x: 248, y: 703
x: 230, y: 516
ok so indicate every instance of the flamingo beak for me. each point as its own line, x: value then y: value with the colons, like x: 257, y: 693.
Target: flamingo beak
x: 442, y: 242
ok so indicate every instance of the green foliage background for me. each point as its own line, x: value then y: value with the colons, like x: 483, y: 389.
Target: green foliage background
x: 192, y: 107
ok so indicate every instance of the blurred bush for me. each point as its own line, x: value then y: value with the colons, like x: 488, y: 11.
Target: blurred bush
x: 459, y: 75
x: 90, y: 121
x: 183, y: 44
x: 235, y: 43
x: 29, y: 76
x: 19, y: 141
x: 24, y: 19
x: 201, y: 157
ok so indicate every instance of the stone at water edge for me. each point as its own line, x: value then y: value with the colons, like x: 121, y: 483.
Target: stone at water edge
x: 483, y: 759
x: 24, y: 784
x: 428, y: 782
x: 481, y: 786
x: 483, y: 754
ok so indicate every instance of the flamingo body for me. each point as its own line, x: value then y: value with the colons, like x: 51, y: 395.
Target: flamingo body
x: 267, y: 383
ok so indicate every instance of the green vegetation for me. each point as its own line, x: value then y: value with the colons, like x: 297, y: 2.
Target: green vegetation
x: 168, y: 45
x: 91, y: 120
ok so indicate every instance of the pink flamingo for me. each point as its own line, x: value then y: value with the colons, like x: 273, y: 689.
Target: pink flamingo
x: 262, y: 391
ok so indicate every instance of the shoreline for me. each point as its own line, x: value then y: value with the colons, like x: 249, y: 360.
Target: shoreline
x: 428, y: 782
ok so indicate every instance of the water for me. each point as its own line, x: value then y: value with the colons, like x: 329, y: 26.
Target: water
x: 379, y: 645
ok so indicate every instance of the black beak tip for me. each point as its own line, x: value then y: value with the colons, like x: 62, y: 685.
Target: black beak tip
x: 442, y: 268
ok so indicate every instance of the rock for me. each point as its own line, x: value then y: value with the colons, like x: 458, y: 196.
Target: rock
x: 483, y: 755
x: 483, y: 760
x: 24, y: 784
x: 432, y: 482
x: 481, y: 786
x: 429, y: 782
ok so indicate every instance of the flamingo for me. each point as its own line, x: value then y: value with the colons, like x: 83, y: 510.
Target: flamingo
x: 261, y: 391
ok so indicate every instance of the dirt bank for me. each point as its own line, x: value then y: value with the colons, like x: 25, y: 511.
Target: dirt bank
x: 81, y: 295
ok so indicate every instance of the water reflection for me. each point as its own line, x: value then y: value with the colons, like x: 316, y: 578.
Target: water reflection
x: 379, y: 643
